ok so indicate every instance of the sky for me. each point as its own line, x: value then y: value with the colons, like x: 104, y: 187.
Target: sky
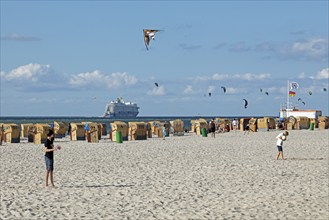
x: 70, y: 58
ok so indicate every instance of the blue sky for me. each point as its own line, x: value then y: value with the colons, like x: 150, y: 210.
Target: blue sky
x: 63, y: 58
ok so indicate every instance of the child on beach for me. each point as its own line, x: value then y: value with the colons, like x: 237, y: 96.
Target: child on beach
x: 280, y: 138
x: 164, y: 133
x: 49, y: 157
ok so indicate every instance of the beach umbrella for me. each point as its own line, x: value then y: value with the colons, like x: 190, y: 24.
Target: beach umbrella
x: 149, y: 34
x: 224, y: 89
x: 245, y: 103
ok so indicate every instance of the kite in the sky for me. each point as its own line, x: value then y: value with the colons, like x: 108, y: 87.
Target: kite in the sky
x: 149, y: 34
x: 266, y: 93
x: 261, y: 90
x: 299, y: 99
x: 224, y: 89
x: 310, y: 93
x: 324, y: 89
x: 209, y: 94
x: 245, y: 103
x: 303, y: 103
x: 156, y: 84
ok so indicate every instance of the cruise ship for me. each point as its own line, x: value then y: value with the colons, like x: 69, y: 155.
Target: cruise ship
x: 121, y: 109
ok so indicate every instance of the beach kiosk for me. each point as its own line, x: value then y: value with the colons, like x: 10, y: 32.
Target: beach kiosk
x: 154, y: 126
x: 77, y: 132
x: 253, y: 124
x: 199, y: 124
x: 11, y: 133
x: 100, y: 130
x: 265, y: 124
x: 223, y: 124
x: 178, y: 127
x: 104, y: 129
x: 302, y: 122
x: 60, y: 129
x: 137, y: 131
x: 25, y: 130
x: 149, y: 129
x: 38, y: 133
x: 1, y: 133
x: 243, y: 123
x: 119, y: 126
x: 290, y: 123
x: 91, y: 131
x: 323, y: 122
x: 159, y: 129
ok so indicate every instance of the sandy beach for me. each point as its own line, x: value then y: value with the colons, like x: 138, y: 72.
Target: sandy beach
x: 233, y: 176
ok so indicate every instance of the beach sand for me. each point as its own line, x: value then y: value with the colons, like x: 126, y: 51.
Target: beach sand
x: 233, y: 176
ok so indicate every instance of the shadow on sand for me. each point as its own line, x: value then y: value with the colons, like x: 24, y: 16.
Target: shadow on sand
x: 102, y: 186
x: 301, y: 158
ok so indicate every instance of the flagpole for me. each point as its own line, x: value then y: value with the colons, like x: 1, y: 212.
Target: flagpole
x: 288, y: 95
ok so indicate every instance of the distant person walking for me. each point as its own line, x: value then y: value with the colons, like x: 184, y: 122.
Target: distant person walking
x: 164, y: 132
x: 235, y: 125
x: 212, y: 128
x: 279, y: 143
x: 49, y: 157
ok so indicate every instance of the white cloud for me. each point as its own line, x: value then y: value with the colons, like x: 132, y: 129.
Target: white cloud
x: 99, y: 79
x: 19, y: 37
x: 323, y: 74
x: 311, y: 49
x: 199, y: 79
x: 157, y: 91
x: 188, y: 90
x: 217, y: 76
x: 250, y: 76
x: 31, y: 72
x: 230, y: 90
x: 246, y: 76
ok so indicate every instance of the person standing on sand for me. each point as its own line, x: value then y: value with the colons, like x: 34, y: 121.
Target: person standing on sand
x: 164, y: 132
x: 212, y: 128
x: 235, y: 125
x: 49, y: 157
x: 280, y: 138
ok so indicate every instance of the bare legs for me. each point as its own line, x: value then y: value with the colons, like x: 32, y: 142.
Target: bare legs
x: 50, y: 173
x: 280, y: 153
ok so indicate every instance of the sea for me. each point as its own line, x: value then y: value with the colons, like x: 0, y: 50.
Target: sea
x: 50, y: 120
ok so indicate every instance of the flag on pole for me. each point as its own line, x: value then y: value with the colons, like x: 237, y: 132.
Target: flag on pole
x: 292, y: 93
x: 294, y: 86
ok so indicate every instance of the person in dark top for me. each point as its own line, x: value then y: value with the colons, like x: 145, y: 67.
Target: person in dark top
x: 212, y: 128
x: 49, y: 157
